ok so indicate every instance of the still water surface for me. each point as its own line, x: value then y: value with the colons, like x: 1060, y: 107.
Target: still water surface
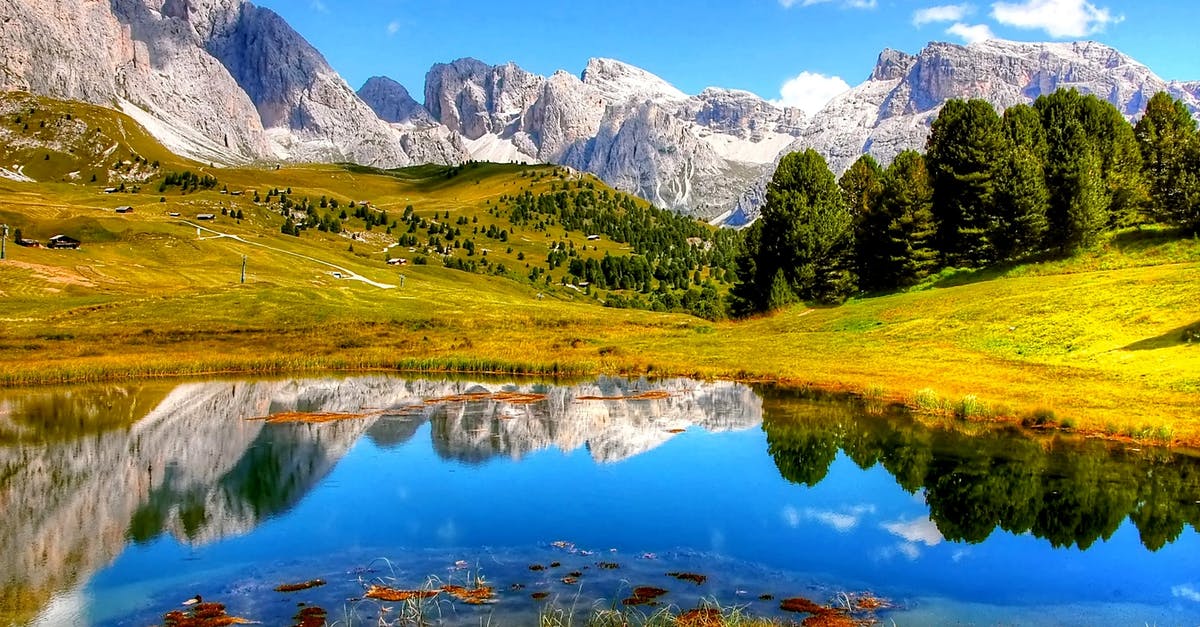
x: 120, y: 502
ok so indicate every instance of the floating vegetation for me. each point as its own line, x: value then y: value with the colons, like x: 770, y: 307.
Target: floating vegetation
x: 575, y: 573
x: 649, y: 395
x: 801, y: 604
x: 555, y: 564
x: 564, y: 545
x: 692, y: 577
x: 313, y: 417
x: 608, y: 565
x: 296, y: 587
x: 643, y: 595
x: 478, y: 595
x: 675, y: 431
x: 511, y: 398
x: 311, y: 616
x: 202, y: 615
x: 867, y: 602
x: 821, y: 616
x: 536, y: 567
x: 517, y: 587
x: 766, y: 597
x: 570, y: 581
x: 538, y: 596
x: 385, y: 593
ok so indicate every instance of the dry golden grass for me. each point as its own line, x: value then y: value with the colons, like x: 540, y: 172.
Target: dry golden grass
x: 1097, y: 341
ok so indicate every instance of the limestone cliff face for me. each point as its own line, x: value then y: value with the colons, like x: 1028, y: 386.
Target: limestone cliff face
x: 126, y: 53
x: 634, y: 130
x: 216, y: 80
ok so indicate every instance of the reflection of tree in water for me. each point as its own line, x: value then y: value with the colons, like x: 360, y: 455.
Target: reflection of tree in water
x: 1066, y: 491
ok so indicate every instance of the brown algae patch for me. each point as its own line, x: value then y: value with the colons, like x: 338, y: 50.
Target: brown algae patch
x: 649, y: 395
x: 643, y: 595
x: 692, y: 577
x: 821, y: 616
x: 315, y: 417
x: 511, y: 398
x: 311, y: 616
x: 478, y: 595
x: 202, y: 615
x: 801, y: 604
x: 385, y: 593
x: 296, y: 587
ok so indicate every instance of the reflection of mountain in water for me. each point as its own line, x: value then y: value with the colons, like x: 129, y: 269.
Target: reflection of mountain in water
x: 611, y: 430
x: 1066, y: 491
x: 86, y: 470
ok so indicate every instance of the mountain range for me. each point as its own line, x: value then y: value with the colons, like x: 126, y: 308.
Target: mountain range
x: 227, y: 82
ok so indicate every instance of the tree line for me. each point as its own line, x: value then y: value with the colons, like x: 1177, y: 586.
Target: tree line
x: 1043, y: 179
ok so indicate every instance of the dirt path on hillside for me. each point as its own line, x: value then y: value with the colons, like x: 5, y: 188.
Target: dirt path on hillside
x: 346, y: 273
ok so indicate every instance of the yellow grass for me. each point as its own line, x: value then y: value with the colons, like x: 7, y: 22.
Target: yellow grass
x: 1097, y: 340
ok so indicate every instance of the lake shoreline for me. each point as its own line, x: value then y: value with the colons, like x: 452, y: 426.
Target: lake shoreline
x: 969, y: 408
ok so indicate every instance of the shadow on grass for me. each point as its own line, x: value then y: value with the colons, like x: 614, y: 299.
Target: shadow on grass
x: 1138, y: 240
x: 1187, y: 334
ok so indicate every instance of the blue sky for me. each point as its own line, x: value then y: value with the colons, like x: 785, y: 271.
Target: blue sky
x: 787, y: 50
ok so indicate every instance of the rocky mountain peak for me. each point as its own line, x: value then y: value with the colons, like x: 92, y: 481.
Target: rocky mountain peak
x: 620, y: 82
x: 476, y: 99
x: 392, y: 102
x: 892, y: 65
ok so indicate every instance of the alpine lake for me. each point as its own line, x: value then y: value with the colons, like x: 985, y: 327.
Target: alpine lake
x: 369, y: 500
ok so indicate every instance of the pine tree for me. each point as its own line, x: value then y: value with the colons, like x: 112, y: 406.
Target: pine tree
x: 746, y: 297
x: 805, y: 234
x: 1166, y: 135
x: 964, y: 147
x: 862, y: 188
x: 908, y: 205
x: 1093, y: 169
x: 1022, y: 200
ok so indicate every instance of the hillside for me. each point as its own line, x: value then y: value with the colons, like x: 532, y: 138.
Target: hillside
x: 148, y: 294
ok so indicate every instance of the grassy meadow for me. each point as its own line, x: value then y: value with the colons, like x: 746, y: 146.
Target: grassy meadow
x: 1098, y: 343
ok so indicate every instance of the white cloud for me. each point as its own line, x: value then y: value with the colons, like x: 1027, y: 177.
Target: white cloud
x: 1059, y: 18
x: 942, y: 13
x: 917, y: 530
x: 810, y: 91
x: 393, y: 27
x: 318, y: 6
x: 850, y: 4
x: 969, y: 33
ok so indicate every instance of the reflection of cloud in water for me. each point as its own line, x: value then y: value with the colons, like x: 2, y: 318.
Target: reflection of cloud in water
x: 1186, y: 591
x: 840, y: 520
x: 917, y: 530
x: 908, y: 550
x: 447, y: 532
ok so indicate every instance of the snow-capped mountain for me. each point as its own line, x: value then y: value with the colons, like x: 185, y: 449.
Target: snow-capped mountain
x: 893, y: 110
